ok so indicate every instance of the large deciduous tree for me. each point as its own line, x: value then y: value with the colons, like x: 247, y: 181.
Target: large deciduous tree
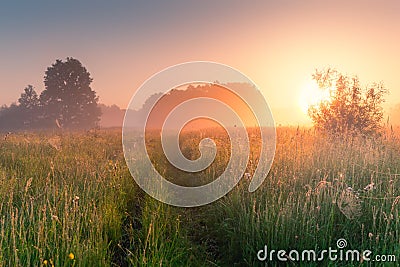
x: 350, y: 109
x: 68, y: 100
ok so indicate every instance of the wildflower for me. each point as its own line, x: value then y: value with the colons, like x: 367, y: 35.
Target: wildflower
x: 45, y: 262
x: 75, y: 200
x: 309, y: 191
x: 55, y: 142
x: 55, y: 217
x: 370, y: 187
x: 71, y: 256
x: 6, y: 136
x: 28, y: 184
x: 349, y: 189
x: 322, y: 184
x: 395, y: 202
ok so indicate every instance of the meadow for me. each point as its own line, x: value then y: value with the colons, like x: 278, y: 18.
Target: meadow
x: 68, y: 199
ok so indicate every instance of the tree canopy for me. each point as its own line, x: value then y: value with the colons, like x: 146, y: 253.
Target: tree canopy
x: 67, y: 101
x: 351, y: 109
x: 68, y: 97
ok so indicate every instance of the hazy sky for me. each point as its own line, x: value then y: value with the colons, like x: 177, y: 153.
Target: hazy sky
x: 277, y: 44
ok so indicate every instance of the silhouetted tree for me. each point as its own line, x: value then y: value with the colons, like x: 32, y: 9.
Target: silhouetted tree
x: 350, y: 108
x: 29, y: 99
x: 68, y: 98
x: 23, y: 114
x: 29, y: 107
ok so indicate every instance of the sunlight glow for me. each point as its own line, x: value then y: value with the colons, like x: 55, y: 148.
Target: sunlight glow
x: 311, y: 94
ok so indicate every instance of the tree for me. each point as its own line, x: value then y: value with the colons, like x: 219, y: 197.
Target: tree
x: 350, y: 108
x: 23, y: 114
x: 68, y: 98
x: 29, y: 99
x: 29, y: 107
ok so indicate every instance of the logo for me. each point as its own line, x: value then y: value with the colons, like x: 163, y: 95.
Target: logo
x: 340, y: 253
x: 177, y: 96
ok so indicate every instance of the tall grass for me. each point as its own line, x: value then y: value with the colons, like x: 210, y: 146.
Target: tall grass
x: 66, y: 193
x: 59, y: 200
x: 313, y: 196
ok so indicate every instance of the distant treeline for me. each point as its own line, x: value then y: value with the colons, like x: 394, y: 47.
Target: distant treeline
x: 158, y: 106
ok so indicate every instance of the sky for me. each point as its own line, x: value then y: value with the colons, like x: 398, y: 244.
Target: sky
x: 277, y: 44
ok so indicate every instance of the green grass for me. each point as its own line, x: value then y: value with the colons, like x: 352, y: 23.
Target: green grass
x: 68, y: 193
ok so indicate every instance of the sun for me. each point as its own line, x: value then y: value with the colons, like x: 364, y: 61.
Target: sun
x: 311, y: 94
